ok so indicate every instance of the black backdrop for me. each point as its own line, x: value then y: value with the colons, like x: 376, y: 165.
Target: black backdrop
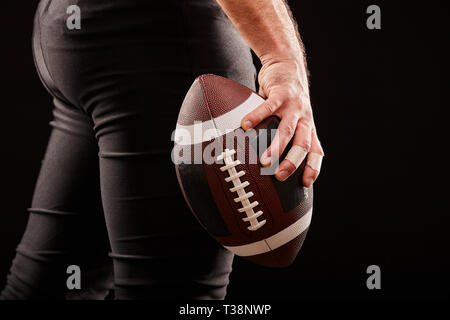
x: 378, y: 98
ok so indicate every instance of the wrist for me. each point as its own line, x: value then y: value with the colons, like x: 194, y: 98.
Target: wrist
x: 282, y: 53
x: 292, y: 69
x: 292, y: 63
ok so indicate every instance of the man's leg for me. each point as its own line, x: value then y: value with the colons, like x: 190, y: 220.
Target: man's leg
x: 66, y: 223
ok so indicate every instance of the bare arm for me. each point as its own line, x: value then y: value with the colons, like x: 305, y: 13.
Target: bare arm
x: 266, y: 26
x: 270, y: 31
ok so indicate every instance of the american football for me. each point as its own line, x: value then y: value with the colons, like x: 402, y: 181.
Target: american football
x: 245, y: 209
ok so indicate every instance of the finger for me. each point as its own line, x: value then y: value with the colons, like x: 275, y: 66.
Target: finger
x: 284, y: 134
x: 261, y: 92
x: 309, y: 176
x: 298, y: 152
x: 261, y: 112
x: 314, y: 161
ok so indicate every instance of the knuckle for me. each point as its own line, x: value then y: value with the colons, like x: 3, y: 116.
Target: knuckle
x: 291, y: 112
x: 296, y: 113
x: 268, y: 107
x: 306, y: 123
x: 318, y: 147
x: 322, y: 153
x: 273, y: 102
x: 307, y: 115
x: 305, y: 144
x: 292, y: 91
x: 287, y: 130
x: 319, y: 150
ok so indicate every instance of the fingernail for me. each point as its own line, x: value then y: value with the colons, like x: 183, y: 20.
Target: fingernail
x: 247, y: 125
x: 265, y: 160
x: 282, y: 175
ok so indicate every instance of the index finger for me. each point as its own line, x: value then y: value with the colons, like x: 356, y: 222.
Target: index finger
x: 260, y: 113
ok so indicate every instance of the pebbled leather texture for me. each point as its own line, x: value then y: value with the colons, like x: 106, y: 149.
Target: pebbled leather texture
x: 194, y: 106
x: 222, y: 94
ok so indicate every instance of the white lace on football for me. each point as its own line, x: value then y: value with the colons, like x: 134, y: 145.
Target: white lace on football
x: 239, y: 187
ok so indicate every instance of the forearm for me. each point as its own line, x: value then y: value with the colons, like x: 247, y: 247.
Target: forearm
x: 267, y: 27
x: 271, y: 32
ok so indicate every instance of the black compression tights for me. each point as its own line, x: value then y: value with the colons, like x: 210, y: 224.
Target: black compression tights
x: 107, y: 198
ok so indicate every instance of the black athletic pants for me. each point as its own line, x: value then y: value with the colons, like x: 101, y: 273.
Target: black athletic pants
x: 107, y: 198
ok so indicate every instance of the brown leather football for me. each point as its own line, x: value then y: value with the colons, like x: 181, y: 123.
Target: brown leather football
x: 243, y: 207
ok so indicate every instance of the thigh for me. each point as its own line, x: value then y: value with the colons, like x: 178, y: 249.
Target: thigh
x: 66, y: 223
x: 129, y: 69
x: 159, y: 249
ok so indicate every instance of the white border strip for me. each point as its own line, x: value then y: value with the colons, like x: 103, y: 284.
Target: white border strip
x: 213, y: 128
x: 275, y: 241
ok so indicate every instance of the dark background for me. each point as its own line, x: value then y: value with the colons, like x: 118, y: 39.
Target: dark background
x: 379, y: 98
